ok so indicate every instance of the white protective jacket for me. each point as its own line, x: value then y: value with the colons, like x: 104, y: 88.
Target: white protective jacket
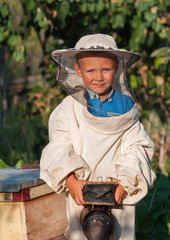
x: 114, y: 147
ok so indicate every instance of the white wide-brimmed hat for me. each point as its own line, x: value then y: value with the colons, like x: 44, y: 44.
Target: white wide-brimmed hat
x: 97, y: 42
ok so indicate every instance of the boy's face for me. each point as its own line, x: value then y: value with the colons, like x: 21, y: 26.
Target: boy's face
x: 97, y: 73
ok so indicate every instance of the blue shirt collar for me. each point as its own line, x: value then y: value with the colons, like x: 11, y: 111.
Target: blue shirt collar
x: 95, y: 95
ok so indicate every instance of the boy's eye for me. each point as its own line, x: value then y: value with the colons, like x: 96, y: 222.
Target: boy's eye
x: 106, y: 69
x: 91, y: 70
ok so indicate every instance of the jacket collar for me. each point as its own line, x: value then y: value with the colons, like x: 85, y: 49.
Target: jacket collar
x: 96, y: 96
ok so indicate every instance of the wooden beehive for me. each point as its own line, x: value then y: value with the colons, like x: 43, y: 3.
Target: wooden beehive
x: 29, y: 208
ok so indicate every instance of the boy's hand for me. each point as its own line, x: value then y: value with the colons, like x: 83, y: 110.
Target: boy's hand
x: 120, y: 193
x: 75, y: 187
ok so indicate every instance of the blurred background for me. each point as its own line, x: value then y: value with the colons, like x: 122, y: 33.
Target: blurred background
x: 31, y: 29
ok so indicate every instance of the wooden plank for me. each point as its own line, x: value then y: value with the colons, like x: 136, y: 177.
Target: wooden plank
x: 46, y: 217
x: 12, y: 221
x: 6, y: 197
x: 34, y: 192
x: 30, y: 166
x: 40, y: 190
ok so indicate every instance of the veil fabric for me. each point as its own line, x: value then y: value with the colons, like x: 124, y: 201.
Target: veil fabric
x: 73, y: 84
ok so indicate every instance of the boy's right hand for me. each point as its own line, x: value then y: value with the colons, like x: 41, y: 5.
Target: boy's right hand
x: 75, y: 187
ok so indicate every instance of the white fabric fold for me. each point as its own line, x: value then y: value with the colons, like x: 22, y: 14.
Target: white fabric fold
x: 116, y: 147
x: 58, y: 157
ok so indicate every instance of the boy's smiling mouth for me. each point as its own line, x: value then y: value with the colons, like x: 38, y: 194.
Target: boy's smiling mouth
x: 99, y: 84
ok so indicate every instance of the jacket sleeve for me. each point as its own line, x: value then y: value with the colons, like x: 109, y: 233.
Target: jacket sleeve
x: 58, y: 158
x: 133, y: 167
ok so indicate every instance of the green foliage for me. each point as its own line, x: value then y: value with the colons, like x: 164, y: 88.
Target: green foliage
x: 14, y: 40
x: 4, y: 9
x: 161, y: 54
x: 19, y: 163
x: 63, y: 11
x: 25, y: 132
x: 17, y: 140
x: 152, y: 212
x: 3, y: 164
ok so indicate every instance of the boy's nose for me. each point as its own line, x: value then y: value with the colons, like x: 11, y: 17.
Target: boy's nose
x: 99, y: 76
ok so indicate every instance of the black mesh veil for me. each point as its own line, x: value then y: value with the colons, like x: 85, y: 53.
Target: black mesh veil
x: 74, y: 85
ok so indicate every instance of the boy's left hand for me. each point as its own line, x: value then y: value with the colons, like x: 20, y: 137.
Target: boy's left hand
x: 120, y: 193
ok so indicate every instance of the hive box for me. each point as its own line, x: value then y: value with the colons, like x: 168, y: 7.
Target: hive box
x: 29, y: 208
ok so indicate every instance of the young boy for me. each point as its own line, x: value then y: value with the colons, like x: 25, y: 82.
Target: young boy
x: 95, y: 132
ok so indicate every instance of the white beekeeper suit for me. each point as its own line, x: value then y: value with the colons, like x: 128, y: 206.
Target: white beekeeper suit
x: 115, y: 147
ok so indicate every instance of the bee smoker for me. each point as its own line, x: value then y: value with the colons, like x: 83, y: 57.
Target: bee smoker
x: 96, y: 218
